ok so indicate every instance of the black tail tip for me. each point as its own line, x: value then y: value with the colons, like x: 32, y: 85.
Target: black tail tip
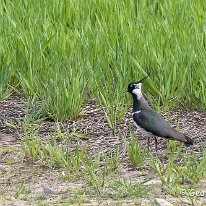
x: 189, y: 141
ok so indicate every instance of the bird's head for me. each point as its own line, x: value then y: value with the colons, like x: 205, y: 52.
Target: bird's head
x: 135, y: 88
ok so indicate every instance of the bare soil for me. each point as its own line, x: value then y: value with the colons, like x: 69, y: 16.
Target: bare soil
x: 98, y: 135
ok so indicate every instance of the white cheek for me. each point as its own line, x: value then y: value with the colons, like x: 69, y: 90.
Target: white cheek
x: 137, y: 92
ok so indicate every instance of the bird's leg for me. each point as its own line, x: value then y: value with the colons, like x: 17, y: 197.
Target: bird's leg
x: 156, y: 144
x: 148, y: 144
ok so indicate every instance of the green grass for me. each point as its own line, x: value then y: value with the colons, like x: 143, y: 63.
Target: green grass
x: 58, y: 54
x: 56, y: 153
x: 115, y: 188
x: 65, y: 52
x: 21, y: 191
x: 99, y: 172
x: 125, y: 189
x: 6, y: 150
x: 136, y: 155
x: 179, y: 176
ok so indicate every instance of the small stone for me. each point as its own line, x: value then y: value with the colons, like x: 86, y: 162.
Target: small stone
x: 48, y: 190
x: 162, y: 202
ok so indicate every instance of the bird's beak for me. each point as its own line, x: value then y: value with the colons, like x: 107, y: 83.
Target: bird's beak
x: 143, y: 79
x: 148, y: 74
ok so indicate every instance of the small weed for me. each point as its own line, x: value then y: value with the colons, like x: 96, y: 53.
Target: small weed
x: 7, y: 150
x: 55, y: 156
x: 41, y: 197
x: 11, y: 124
x: 136, y: 156
x: 31, y: 146
x: 74, y: 199
x: 111, y: 161
x: 57, y: 134
x: 92, y: 168
x: 98, y: 168
x: 125, y: 189
x: 85, y: 190
x: 60, y: 156
x: 21, y: 191
x: 76, y: 159
x: 10, y: 160
x: 2, y: 193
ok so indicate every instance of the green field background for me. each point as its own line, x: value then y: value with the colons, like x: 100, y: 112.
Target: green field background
x: 63, y: 52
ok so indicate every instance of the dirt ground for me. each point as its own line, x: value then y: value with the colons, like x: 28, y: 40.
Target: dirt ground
x: 91, y: 122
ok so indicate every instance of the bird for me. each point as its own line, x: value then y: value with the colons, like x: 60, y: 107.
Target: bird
x: 150, y: 122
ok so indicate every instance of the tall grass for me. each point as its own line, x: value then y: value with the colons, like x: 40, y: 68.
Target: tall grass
x: 59, y: 51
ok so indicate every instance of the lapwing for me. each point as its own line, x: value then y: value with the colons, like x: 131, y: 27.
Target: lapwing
x: 148, y: 121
